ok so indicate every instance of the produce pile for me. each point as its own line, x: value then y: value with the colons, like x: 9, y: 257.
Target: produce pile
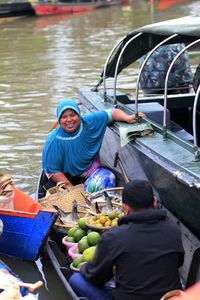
x: 85, y: 240
x: 101, y: 220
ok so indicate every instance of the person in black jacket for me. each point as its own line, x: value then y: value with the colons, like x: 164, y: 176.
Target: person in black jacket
x: 145, y: 251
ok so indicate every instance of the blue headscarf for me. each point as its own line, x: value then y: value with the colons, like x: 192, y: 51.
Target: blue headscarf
x: 74, y: 152
x: 67, y: 104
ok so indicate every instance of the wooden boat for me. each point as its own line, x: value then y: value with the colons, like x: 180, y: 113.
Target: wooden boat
x: 26, y: 227
x: 58, y: 8
x: 170, y: 158
x: 61, y: 261
x: 189, y: 272
x: 15, y: 9
x: 10, y: 279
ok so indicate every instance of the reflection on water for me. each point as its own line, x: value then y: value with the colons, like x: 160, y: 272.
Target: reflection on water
x: 46, y: 59
x: 43, y: 60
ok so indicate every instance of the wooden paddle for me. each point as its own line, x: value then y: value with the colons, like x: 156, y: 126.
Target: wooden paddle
x: 31, y: 287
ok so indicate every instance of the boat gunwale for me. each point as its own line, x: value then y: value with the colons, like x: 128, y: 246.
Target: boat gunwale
x: 141, y: 141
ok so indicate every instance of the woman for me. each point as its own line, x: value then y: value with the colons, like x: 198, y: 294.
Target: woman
x: 71, y: 151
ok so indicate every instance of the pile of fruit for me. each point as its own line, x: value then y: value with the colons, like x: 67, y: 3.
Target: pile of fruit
x: 102, y: 220
x: 86, y: 240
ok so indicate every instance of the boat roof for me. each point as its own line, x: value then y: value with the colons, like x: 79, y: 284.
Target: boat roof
x: 186, y: 28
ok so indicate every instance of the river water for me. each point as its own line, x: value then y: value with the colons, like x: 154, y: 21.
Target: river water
x: 43, y: 60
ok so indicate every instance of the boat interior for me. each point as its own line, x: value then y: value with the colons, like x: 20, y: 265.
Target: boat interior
x: 24, y: 206
x: 156, y: 103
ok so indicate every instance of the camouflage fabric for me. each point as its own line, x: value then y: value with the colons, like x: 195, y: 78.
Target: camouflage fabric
x: 154, y: 72
x: 196, y: 80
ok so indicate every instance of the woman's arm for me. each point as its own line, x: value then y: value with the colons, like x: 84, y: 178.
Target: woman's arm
x: 60, y: 177
x: 121, y: 116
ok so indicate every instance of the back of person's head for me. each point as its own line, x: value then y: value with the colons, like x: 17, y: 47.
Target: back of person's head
x: 138, y: 194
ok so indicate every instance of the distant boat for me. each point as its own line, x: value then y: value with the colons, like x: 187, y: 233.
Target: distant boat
x: 166, y: 4
x: 15, y: 9
x: 26, y: 228
x: 69, y: 7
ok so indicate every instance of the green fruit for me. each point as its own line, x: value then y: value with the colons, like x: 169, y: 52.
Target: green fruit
x: 83, y: 244
x: 112, y: 215
x: 88, y: 254
x: 93, y: 238
x: 89, y: 230
x: 71, y: 231
x: 70, y: 239
x: 79, y: 233
x: 81, y: 223
x: 77, y: 261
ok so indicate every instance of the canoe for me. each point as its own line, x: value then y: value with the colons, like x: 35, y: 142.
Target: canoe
x: 170, y: 158
x: 189, y: 272
x: 26, y: 227
x: 60, y: 259
x: 9, y: 278
x: 15, y: 9
x: 69, y: 7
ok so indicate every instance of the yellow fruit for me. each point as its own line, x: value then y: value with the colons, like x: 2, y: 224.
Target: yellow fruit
x: 99, y: 224
x: 121, y: 215
x: 99, y: 215
x: 93, y: 238
x: 114, y: 223
x: 102, y: 219
x: 108, y: 223
x: 88, y: 254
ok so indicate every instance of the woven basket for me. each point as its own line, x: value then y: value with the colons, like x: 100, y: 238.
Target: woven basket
x: 115, y: 191
x: 63, y: 198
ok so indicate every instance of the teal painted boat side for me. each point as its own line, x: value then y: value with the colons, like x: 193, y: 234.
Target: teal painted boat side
x: 168, y: 164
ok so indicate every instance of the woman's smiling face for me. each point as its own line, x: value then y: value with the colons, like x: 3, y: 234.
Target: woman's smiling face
x: 69, y: 120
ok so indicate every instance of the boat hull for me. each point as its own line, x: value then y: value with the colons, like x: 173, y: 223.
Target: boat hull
x: 15, y: 9
x: 64, y: 8
x: 181, y: 199
x: 177, y: 189
x: 25, y: 229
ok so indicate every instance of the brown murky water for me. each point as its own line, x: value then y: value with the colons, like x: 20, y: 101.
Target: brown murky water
x: 43, y: 60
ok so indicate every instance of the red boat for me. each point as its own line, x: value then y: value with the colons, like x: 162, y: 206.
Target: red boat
x: 45, y: 9
x: 166, y: 4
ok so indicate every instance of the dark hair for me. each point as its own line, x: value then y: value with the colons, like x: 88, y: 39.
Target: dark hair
x: 138, y: 194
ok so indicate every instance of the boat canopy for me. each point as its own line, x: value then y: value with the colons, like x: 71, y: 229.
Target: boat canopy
x: 186, y: 29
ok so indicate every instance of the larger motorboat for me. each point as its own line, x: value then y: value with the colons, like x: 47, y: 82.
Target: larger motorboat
x: 169, y: 158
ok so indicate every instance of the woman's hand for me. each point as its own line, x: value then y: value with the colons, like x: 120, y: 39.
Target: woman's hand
x: 131, y: 119
x: 60, y: 177
x: 121, y: 116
